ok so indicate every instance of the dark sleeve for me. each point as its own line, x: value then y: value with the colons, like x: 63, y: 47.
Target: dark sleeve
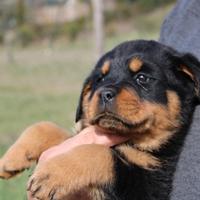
x: 181, y: 30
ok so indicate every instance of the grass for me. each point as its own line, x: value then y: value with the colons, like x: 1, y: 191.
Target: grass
x: 44, y: 84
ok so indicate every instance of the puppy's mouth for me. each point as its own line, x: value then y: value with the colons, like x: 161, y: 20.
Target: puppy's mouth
x: 111, y: 121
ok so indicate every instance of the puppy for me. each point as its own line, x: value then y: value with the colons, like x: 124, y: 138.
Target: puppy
x: 140, y: 89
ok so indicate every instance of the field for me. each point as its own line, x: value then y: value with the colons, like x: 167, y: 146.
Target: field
x: 44, y: 84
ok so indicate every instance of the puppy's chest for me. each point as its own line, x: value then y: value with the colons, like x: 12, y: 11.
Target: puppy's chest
x: 132, y: 182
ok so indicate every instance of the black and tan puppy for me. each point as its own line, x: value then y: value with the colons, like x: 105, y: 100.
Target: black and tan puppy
x: 141, y: 89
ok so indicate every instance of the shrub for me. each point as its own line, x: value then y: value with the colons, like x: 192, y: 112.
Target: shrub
x: 147, y: 5
x: 1, y: 37
x: 72, y: 29
x: 25, y: 34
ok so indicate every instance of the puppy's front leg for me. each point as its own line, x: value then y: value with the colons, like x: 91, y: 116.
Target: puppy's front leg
x: 28, y: 148
x: 86, y: 166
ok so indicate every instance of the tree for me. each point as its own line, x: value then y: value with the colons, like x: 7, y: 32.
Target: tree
x: 20, y: 12
x: 98, y: 23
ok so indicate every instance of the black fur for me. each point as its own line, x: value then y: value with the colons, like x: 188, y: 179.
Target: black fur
x: 135, y: 183
x: 162, y: 66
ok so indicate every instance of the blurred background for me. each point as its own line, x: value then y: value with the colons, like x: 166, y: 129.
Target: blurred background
x: 47, y: 48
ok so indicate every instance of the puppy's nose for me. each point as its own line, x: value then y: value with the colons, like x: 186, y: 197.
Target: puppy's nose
x: 108, y: 95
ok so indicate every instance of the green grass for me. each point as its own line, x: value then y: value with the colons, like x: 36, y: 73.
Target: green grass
x: 45, y: 84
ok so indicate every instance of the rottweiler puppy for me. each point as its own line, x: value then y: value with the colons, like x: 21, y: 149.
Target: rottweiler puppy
x: 141, y: 89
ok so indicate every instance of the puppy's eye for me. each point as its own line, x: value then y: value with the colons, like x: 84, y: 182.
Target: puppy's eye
x: 142, y: 79
x: 101, y: 78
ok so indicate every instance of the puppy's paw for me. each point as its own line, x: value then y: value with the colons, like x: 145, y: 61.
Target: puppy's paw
x: 48, y: 183
x: 28, y: 148
x: 14, y: 162
x: 84, y: 166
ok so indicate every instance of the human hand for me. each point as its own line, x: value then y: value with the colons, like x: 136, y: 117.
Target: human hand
x: 89, y: 135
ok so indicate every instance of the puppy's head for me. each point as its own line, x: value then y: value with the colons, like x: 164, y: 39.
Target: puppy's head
x: 143, y: 89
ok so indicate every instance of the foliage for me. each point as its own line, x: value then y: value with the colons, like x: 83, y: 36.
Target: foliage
x: 128, y: 9
x: 148, y: 2
x: 16, y: 16
x: 72, y: 29
x: 68, y: 30
x: 152, y: 3
x: 26, y: 34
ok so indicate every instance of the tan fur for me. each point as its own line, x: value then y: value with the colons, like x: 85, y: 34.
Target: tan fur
x: 84, y: 166
x: 128, y: 106
x: 106, y: 67
x: 27, y: 149
x: 142, y: 159
x: 86, y: 89
x: 155, y: 123
x: 160, y: 122
x: 132, y: 109
x: 83, y: 122
x: 187, y: 71
x: 165, y: 123
x: 90, y: 107
x: 96, y: 194
x: 82, y: 194
x: 135, y: 64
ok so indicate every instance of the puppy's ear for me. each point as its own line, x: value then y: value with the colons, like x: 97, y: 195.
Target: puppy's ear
x: 85, y: 90
x: 190, y: 66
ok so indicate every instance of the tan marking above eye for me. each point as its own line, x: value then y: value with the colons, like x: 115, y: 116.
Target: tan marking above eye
x: 135, y: 64
x: 106, y: 67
